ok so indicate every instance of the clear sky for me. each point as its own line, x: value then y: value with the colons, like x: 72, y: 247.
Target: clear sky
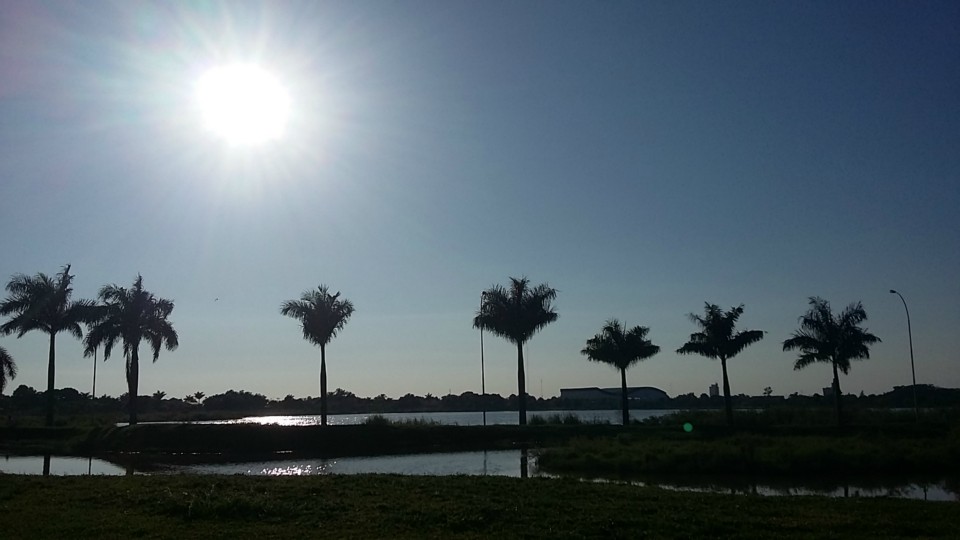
x: 640, y: 157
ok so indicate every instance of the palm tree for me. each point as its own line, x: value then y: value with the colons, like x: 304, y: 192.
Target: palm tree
x: 41, y: 302
x: 620, y: 348
x: 517, y: 313
x: 321, y: 316
x: 131, y: 316
x: 717, y: 340
x: 8, y: 369
x: 824, y: 337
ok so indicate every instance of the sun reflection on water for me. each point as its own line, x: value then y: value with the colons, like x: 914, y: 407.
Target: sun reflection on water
x: 296, y: 469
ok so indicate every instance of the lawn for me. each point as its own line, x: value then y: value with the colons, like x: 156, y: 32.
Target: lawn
x: 435, y: 507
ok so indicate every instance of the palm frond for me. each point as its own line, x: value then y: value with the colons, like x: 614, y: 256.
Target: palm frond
x: 8, y: 369
x: 129, y: 316
x: 516, y: 312
x: 619, y: 347
x: 717, y: 339
x: 826, y: 337
x: 40, y: 302
x: 322, y: 315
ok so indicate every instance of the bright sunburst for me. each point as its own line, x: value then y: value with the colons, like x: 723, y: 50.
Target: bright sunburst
x: 243, y: 104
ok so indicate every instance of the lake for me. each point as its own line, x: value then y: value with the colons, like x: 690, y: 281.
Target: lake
x: 472, y: 418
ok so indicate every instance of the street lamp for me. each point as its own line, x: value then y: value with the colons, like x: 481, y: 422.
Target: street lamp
x: 483, y: 376
x: 916, y: 410
x: 93, y: 391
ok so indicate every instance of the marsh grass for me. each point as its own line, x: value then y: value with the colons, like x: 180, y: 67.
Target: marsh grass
x: 563, y: 419
x: 435, y: 507
x: 381, y: 421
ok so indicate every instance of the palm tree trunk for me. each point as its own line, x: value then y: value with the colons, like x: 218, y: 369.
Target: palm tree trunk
x: 623, y: 397
x: 836, y: 394
x: 50, y: 374
x: 323, y: 385
x: 133, y: 383
x: 522, y: 386
x: 727, y: 405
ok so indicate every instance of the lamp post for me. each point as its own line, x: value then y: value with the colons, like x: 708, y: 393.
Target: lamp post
x: 916, y: 410
x: 93, y: 391
x: 483, y: 376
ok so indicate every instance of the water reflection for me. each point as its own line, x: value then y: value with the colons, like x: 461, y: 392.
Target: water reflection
x: 49, y: 465
x: 480, y: 463
x: 928, y: 489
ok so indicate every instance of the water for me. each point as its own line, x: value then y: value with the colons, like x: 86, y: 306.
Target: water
x: 473, y: 418
x: 58, y: 465
x: 511, y: 463
x: 515, y: 463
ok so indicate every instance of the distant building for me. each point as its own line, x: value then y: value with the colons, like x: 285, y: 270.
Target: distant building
x: 636, y: 393
x: 714, y: 390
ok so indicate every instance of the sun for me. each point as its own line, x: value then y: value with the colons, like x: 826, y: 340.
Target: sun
x: 243, y: 104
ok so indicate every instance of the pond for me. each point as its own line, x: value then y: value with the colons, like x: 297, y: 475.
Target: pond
x: 512, y: 463
x: 515, y: 463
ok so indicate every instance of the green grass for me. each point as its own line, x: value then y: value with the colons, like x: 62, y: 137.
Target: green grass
x: 435, y: 507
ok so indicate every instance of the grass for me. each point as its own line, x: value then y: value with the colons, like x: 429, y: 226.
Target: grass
x: 435, y: 507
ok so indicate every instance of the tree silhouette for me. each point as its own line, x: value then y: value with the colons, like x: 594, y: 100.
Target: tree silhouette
x: 131, y: 316
x: 516, y: 314
x: 824, y: 337
x: 321, y: 315
x: 717, y: 340
x: 41, y: 302
x: 620, y: 348
x: 8, y: 369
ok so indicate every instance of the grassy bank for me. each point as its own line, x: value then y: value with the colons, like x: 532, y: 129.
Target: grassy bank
x: 863, y: 452
x: 248, y: 440
x: 435, y: 507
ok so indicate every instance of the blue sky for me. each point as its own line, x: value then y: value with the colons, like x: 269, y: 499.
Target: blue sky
x: 640, y: 157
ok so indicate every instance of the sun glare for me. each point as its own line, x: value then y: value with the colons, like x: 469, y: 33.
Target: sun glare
x: 243, y: 104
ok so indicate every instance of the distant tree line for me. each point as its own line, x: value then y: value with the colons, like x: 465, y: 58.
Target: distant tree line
x: 25, y: 400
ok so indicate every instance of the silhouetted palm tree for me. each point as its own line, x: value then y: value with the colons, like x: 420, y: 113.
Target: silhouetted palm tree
x: 131, y: 316
x: 717, y: 340
x: 823, y: 337
x: 41, y: 302
x: 620, y: 348
x: 516, y: 313
x: 321, y: 315
x: 8, y: 369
